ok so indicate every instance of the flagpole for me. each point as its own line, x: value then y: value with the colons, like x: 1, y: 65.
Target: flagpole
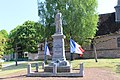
x: 45, y: 51
x: 71, y: 56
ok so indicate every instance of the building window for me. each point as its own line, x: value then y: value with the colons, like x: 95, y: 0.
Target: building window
x: 118, y: 41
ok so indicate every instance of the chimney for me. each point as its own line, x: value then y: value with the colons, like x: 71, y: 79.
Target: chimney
x: 117, y: 13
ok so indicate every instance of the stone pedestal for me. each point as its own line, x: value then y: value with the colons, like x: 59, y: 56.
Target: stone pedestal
x: 58, y: 57
x: 58, y: 47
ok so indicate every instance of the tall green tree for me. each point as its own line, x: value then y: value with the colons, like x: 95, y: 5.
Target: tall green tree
x: 79, y: 17
x: 3, y: 41
x: 27, y: 36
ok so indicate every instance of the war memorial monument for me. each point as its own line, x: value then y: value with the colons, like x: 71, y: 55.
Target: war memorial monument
x: 59, y: 66
x: 58, y: 57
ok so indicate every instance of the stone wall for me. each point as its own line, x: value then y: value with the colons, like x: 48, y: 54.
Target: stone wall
x: 115, y: 53
x: 107, y: 42
x: 106, y: 46
x: 109, y: 54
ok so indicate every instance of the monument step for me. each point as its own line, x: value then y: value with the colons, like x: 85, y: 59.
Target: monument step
x: 59, y: 69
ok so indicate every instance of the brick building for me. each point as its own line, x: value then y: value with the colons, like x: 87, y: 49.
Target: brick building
x: 108, y: 42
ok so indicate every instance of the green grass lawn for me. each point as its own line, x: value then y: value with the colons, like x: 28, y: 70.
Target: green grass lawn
x: 103, y: 63
x: 12, y: 69
x: 112, y: 64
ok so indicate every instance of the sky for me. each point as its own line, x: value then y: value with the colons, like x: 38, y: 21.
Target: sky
x: 16, y: 12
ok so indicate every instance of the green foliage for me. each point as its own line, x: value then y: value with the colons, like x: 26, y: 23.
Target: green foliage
x: 4, y: 33
x: 27, y: 36
x: 3, y: 40
x: 79, y: 18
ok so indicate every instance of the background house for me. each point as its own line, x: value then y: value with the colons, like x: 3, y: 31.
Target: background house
x: 108, y: 35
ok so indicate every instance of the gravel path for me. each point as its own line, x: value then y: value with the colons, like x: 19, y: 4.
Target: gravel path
x: 90, y: 74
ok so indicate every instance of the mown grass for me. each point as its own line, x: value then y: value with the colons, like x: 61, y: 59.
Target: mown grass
x: 112, y: 64
x: 12, y: 68
x: 103, y: 63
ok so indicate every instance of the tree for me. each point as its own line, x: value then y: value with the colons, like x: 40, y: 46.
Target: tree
x: 79, y: 17
x: 4, y: 33
x: 27, y: 36
x: 3, y: 40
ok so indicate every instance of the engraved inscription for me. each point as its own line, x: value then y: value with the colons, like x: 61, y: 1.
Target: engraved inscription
x: 58, y: 48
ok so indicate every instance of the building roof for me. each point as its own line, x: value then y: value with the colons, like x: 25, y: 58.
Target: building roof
x: 107, y: 24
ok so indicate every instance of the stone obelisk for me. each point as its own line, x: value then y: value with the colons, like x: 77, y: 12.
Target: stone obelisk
x: 58, y: 57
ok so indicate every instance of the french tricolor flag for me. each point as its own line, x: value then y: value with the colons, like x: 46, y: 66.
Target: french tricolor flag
x: 75, y: 48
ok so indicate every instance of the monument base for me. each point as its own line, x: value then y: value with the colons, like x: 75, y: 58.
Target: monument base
x: 50, y: 73
x: 59, y: 69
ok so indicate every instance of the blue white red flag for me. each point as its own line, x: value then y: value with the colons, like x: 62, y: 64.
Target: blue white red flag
x: 47, y: 51
x: 75, y: 48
